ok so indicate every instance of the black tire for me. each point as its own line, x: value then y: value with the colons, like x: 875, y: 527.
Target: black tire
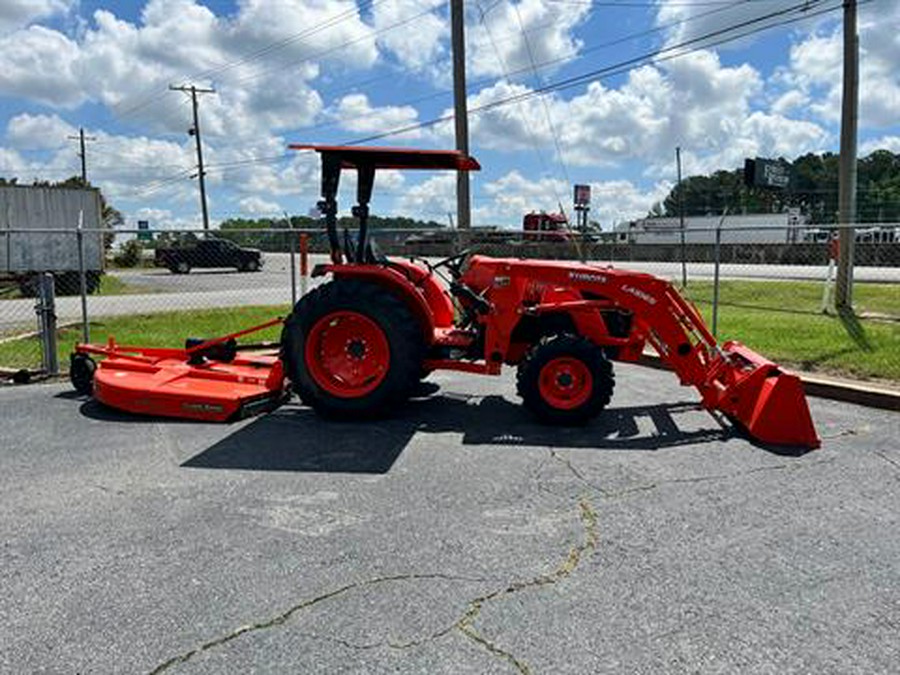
x: 251, y: 265
x: 181, y: 267
x: 586, y: 401
x: 81, y: 373
x: 398, y: 325
x: 92, y: 282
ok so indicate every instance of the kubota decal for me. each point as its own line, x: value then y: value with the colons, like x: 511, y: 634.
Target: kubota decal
x: 585, y: 276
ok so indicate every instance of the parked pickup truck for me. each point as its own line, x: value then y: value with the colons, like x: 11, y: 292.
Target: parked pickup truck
x: 209, y: 253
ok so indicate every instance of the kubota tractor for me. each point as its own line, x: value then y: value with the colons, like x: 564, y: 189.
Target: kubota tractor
x: 359, y: 343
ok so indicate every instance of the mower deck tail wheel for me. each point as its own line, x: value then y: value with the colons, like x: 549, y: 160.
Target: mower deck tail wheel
x: 81, y: 373
x: 565, y: 379
x: 352, y: 347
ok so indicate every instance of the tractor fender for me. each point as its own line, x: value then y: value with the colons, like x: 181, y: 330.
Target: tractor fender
x: 417, y: 288
x: 529, y: 329
x: 588, y: 323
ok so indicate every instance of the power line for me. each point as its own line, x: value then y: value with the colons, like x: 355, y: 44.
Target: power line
x: 529, y: 132
x: 650, y: 58
x: 539, y: 80
x: 509, y: 74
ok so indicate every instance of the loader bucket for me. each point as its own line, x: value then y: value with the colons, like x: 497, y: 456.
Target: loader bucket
x: 765, y: 400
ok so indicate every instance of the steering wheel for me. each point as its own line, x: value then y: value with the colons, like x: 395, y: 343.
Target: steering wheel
x: 453, y: 263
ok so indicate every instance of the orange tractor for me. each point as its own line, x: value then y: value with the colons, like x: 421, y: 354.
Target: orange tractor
x: 358, y: 344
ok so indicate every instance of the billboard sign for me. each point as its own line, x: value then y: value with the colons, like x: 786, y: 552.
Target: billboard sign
x: 767, y: 173
x: 582, y: 195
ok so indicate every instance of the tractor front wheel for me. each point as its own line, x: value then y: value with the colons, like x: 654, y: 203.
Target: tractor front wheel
x: 565, y: 379
x: 352, y: 347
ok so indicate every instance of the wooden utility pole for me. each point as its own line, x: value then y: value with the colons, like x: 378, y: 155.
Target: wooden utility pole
x: 81, y: 138
x: 461, y: 113
x: 847, y: 169
x: 195, y: 132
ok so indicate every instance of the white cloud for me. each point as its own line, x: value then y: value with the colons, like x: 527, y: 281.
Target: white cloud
x: 512, y: 37
x: 416, y: 43
x: 38, y: 131
x: 891, y: 143
x: 40, y: 64
x: 250, y: 56
x: 686, y: 21
x: 16, y: 14
x: 355, y: 113
x: 694, y: 102
x: 507, y: 199
x: 816, y: 68
x: 789, y: 101
x: 513, y: 195
x: 256, y: 206
x: 430, y: 198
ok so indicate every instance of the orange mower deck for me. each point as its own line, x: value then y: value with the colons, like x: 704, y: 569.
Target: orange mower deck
x: 185, y: 383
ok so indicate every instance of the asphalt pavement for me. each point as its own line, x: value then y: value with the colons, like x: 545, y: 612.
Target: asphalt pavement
x: 457, y: 537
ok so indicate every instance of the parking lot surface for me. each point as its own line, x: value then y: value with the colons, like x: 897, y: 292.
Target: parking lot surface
x: 457, y: 537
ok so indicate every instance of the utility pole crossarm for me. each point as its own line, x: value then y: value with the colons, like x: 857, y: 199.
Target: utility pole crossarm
x: 195, y: 132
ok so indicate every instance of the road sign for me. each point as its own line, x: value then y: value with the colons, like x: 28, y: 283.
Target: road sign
x: 145, y: 234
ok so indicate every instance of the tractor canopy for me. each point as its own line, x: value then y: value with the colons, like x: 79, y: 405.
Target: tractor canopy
x: 353, y: 157
x: 366, y: 160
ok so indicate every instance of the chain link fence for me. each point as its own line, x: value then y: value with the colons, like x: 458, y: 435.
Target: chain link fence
x: 770, y: 288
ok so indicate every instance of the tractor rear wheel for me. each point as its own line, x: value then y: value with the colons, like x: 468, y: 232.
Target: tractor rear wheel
x: 565, y: 379
x: 352, y: 347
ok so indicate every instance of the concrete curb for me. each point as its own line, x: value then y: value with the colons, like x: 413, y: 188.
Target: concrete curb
x: 848, y: 391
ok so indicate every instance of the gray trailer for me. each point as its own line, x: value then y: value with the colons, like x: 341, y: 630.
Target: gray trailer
x: 38, y: 233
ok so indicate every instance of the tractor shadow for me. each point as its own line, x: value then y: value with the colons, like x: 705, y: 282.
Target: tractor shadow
x: 294, y: 438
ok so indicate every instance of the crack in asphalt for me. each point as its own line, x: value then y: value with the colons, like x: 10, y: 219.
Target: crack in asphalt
x: 887, y: 459
x: 647, y: 487
x: 466, y: 625
x: 280, y: 619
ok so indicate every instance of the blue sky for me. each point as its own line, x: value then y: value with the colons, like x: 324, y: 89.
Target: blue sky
x: 334, y: 71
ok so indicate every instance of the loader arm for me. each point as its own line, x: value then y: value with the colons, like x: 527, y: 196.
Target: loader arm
x: 756, y: 393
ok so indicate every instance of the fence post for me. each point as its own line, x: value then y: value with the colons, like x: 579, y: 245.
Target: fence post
x: 718, y: 263
x: 293, y: 264
x: 46, y: 312
x: 85, y: 328
x: 715, y: 307
x: 304, y: 262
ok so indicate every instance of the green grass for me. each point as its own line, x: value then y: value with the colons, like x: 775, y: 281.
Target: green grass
x: 781, y: 320
x: 795, y: 296
x: 167, y: 329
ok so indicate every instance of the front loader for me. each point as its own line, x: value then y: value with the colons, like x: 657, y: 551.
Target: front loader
x: 359, y: 343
